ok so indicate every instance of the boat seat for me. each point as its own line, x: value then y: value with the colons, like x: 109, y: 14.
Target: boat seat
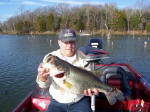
x: 117, y: 77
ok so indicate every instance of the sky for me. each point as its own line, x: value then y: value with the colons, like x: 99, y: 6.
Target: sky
x: 9, y: 8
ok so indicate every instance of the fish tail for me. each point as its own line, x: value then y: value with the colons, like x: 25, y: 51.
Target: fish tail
x: 114, y: 95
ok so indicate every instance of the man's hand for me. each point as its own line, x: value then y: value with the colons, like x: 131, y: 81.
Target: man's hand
x: 90, y: 92
x: 43, y: 73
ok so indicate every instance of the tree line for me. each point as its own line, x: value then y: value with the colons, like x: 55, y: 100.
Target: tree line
x: 84, y: 18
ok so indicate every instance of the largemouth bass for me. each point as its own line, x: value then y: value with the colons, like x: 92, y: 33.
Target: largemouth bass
x: 76, y: 80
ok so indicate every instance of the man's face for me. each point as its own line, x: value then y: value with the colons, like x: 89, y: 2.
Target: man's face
x: 67, y: 48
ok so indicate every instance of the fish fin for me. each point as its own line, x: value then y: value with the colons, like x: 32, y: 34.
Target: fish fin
x: 114, y: 95
x: 67, y: 84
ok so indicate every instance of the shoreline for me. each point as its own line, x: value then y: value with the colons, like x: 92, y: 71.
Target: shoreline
x: 100, y: 32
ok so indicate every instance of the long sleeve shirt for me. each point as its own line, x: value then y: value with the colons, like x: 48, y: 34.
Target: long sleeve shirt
x: 57, y: 92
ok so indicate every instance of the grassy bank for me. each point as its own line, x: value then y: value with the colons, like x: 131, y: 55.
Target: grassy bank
x: 105, y: 32
x: 100, y: 32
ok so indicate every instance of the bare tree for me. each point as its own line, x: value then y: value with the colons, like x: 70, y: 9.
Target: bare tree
x: 128, y: 12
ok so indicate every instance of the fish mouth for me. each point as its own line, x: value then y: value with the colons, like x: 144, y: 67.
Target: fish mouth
x: 60, y: 75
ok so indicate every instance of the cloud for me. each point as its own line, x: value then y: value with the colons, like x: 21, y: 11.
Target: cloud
x: 5, y: 17
x: 29, y: 3
x: 33, y: 3
x: 74, y: 2
x: 60, y: 1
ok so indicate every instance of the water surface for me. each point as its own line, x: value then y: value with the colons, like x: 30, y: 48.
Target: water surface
x: 20, y: 56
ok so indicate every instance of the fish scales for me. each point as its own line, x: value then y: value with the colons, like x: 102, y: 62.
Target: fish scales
x: 77, y: 77
x: 76, y: 80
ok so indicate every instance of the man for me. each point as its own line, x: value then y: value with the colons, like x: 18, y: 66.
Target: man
x: 61, y: 100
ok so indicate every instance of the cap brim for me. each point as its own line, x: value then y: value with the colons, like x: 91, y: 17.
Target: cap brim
x: 68, y: 39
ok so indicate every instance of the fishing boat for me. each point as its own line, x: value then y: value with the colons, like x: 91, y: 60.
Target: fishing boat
x: 85, y: 34
x: 120, y: 75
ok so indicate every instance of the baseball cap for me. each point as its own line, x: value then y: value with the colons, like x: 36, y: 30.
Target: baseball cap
x: 67, y: 35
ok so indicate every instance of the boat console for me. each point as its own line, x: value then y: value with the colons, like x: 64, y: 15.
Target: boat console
x: 93, y: 52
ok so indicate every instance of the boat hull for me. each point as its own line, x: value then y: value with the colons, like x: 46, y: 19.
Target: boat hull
x: 138, y: 100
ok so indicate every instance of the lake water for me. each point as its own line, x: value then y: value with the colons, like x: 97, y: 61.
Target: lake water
x: 20, y: 56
